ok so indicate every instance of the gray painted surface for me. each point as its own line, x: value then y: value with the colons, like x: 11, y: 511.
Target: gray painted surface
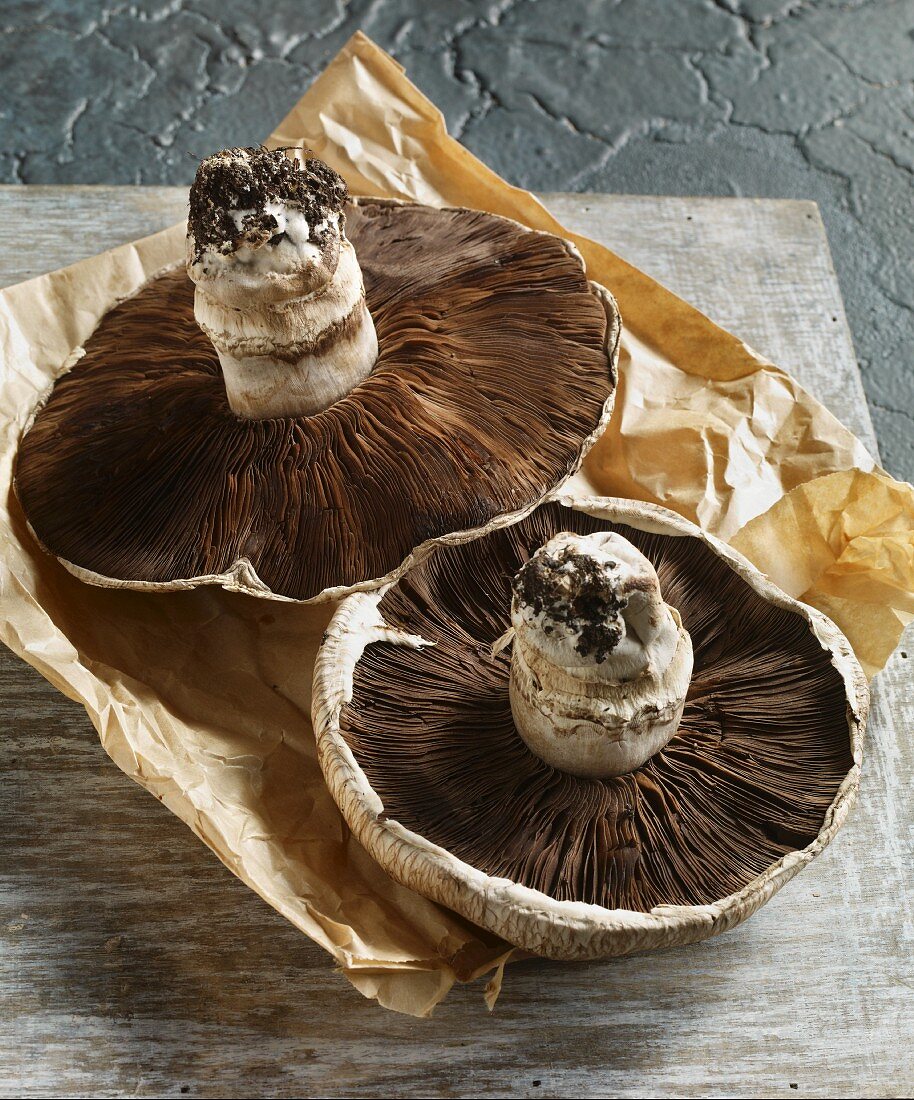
x: 132, y: 963
x: 808, y: 99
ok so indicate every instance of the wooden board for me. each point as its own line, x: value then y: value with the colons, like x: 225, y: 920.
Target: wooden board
x: 133, y: 963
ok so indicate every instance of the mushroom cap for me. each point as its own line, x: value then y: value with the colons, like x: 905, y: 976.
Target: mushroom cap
x: 418, y: 746
x: 496, y: 373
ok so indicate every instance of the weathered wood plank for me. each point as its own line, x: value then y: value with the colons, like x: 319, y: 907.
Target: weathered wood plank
x: 46, y: 227
x: 133, y: 963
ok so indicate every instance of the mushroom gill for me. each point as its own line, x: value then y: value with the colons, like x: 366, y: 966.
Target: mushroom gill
x: 758, y: 759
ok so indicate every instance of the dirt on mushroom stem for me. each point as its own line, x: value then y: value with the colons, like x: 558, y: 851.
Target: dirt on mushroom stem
x: 247, y: 178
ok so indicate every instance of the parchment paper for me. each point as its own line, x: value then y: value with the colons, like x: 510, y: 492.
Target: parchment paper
x: 203, y: 697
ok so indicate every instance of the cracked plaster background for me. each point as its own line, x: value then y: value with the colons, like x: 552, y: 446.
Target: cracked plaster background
x: 809, y: 99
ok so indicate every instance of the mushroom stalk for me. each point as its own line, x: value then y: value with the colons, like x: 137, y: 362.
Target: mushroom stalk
x: 601, y: 665
x: 279, y: 290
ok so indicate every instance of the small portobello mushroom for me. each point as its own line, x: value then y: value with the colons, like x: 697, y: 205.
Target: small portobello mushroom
x: 594, y: 732
x: 325, y: 389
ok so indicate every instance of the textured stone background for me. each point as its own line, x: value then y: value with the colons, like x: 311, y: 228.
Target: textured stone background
x: 806, y: 99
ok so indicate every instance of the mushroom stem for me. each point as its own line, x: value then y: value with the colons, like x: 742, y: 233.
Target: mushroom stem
x: 297, y: 356
x: 601, y: 665
x: 279, y: 290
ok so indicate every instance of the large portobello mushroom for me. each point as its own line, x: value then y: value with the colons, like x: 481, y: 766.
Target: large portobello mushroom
x: 304, y: 423
x: 594, y: 732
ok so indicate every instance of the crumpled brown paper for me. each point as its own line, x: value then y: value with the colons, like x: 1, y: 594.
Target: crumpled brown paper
x: 203, y: 697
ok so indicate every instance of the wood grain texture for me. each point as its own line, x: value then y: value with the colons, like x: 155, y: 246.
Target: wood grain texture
x: 133, y: 963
